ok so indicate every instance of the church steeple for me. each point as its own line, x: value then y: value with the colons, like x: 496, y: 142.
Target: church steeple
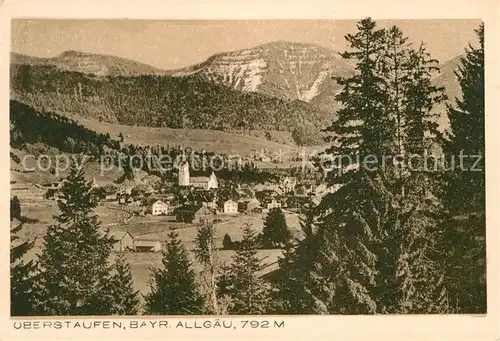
x: 184, y: 171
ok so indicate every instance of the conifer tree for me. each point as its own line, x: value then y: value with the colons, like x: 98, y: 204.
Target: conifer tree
x: 173, y: 288
x: 15, y: 208
x: 372, y: 238
x: 126, y: 300
x: 349, y: 220
x: 275, y: 232
x: 74, y: 260
x: 299, y: 285
x: 227, y: 242
x: 409, y: 272
x: 206, y: 254
x: 23, y: 275
x: 250, y: 294
x: 464, y: 227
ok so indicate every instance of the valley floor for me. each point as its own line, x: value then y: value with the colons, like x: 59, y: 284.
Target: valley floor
x: 152, y: 228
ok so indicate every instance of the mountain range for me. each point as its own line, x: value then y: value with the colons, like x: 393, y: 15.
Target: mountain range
x: 279, y: 85
x: 89, y: 63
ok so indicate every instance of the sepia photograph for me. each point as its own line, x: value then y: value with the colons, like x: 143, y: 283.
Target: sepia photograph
x: 247, y: 167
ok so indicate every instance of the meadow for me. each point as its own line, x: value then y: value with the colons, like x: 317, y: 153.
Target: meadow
x: 217, y: 141
x: 153, y: 228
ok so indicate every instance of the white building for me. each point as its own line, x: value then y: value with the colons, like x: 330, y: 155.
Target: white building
x: 273, y: 204
x: 205, y: 182
x: 288, y: 184
x: 185, y: 179
x: 230, y: 207
x: 159, y: 208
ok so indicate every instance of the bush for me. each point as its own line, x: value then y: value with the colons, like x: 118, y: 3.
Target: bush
x: 227, y: 243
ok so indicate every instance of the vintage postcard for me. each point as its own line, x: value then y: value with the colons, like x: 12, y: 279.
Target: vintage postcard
x: 254, y: 171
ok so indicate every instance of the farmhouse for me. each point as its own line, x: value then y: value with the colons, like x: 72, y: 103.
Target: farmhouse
x: 301, y: 191
x: 111, y: 197
x: 147, y: 245
x: 195, y: 214
x: 230, y: 207
x: 124, y: 240
x: 245, y: 193
x: 159, y: 208
x: 26, y: 190
x: 248, y: 205
x: 267, y: 195
x: 272, y: 204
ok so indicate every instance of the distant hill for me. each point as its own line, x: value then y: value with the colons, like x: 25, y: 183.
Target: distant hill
x: 447, y: 78
x: 276, y: 86
x: 90, y: 63
x: 282, y: 69
x: 158, y: 101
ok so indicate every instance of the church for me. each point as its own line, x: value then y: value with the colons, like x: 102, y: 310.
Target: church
x: 206, y: 182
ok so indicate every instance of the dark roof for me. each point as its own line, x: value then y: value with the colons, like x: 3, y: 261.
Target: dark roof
x: 200, y: 173
x: 203, y: 210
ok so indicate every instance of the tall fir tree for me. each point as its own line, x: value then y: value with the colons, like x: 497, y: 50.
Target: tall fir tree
x: 74, y: 260
x: 464, y: 227
x: 173, y: 290
x: 126, y: 300
x: 349, y: 219
x: 299, y: 283
x: 372, y: 237
x: 249, y: 293
x: 23, y: 275
x: 409, y: 272
x: 275, y: 232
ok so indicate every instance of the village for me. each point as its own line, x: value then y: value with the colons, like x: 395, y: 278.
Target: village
x: 148, y: 208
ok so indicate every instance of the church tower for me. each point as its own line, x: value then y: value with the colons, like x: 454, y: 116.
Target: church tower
x: 184, y: 171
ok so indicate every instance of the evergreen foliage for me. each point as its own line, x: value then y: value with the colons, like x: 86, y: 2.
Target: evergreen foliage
x: 75, y: 273
x: 173, y: 290
x: 227, y: 242
x: 23, y: 275
x: 275, y: 233
x: 126, y: 298
x: 373, y: 235
x: 249, y: 292
x: 15, y: 208
x: 159, y: 101
x: 464, y: 227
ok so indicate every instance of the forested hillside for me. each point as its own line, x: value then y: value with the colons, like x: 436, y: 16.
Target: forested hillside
x: 158, y: 101
x: 30, y: 126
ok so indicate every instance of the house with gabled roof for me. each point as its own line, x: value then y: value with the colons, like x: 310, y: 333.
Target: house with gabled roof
x: 144, y: 245
x: 123, y: 240
x: 230, y: 207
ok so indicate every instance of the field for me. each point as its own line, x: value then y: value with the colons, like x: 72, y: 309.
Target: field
x: 199, y: 139
x: 153, y: 228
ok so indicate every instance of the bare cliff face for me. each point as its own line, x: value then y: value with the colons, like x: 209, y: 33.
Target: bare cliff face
x: 291, y: 71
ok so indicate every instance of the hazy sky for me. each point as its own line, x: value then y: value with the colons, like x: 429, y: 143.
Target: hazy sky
x: 174, y: 44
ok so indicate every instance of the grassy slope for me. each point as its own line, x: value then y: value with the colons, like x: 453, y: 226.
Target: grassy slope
x: 197, y: 139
